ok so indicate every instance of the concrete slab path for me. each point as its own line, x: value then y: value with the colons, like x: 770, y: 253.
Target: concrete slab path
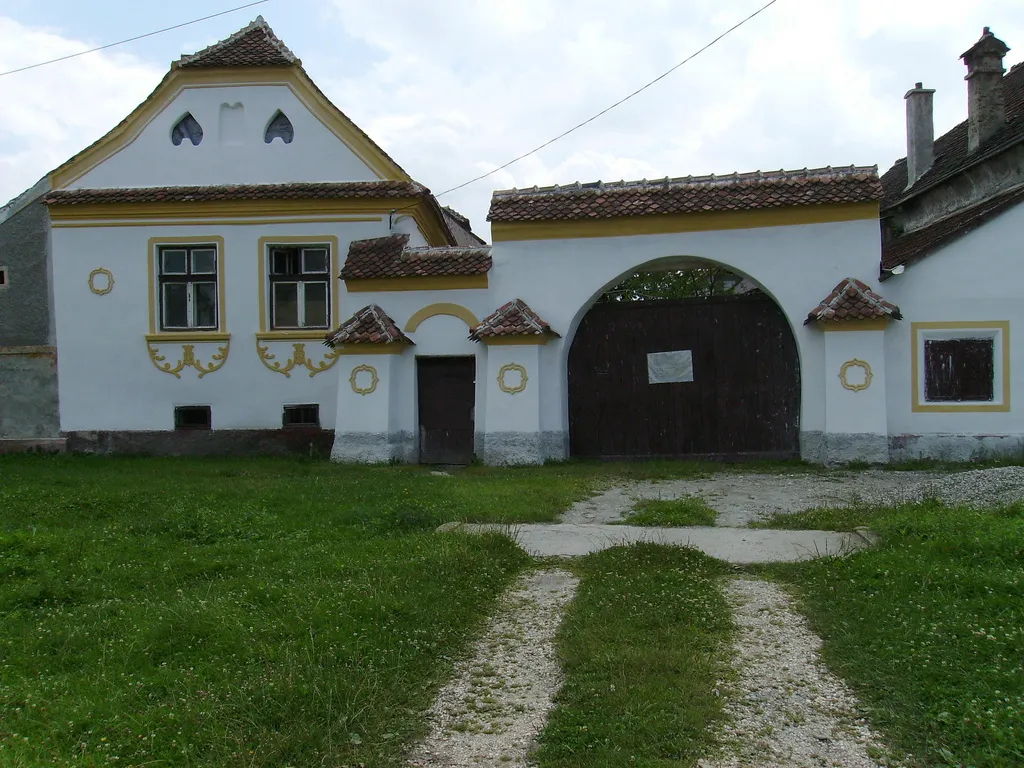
x: 734, y: 545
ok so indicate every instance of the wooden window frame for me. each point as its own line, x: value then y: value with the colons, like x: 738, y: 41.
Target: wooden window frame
x: 190, y: 278
x: 301, y: 279
x: 997, y: 330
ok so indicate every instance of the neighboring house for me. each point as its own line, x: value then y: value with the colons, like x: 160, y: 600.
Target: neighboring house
x: 236, y: 267
x: 953, y: 242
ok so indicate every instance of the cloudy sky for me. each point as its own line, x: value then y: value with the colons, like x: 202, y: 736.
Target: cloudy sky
x: 455, y: 88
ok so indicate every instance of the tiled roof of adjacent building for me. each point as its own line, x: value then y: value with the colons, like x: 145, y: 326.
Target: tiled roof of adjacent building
x: 299, y: 191
x: 689, y: 194
x: 460, y: 228
x: 512, y: 319
x: 255, y: 45
x: 950, y: 149
x: 917, y: 244
x: 370, y: 325
x: 852, y: 300
x: 391, y: 257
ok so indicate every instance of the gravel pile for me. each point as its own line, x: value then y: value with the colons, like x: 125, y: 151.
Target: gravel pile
x: 975, y: 488
x: 788, y: 710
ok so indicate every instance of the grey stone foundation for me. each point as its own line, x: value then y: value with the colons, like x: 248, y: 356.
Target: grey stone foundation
x: 517, y: 448
x: 28, y: 405
x: 952, y: 447
x: 294, y: 441
x: 844, y: 448
x: 375, y: 447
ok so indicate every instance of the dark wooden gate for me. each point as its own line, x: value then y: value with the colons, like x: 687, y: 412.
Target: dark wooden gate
x: 743, y: 401
x: 447, y: 394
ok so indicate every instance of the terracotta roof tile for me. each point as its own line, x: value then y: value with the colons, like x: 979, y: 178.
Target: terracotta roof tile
x: 950, y: 149
x: 512, y: 319
x: 255, y: 45
x: 690, y: 194
x: 852, y: 300
x: 391, y: 257
x: 460, y: 229
x: 300, y: 191
x: 915, y: 245
x: 370, y: 325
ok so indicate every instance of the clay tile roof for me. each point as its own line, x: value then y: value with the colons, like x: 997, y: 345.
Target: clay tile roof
x: 915, y: 245
x: 512, y: 319
x: 255, y: 45
x: 690, y: 194
x: 852, y: 300
x: 460, y: 228
x: 298, y: 191
x: 370, y: 325
x: 950, y: 149
x: 391, y: 257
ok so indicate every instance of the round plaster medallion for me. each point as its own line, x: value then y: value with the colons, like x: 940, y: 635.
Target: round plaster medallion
x: 507, y: 378
x: 859, y: 381
x: 101, y: 281
x: 368, y: 378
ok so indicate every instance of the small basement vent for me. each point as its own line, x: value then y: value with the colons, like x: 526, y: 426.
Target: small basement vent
x: 3, y: 277
x: 301, y: 416
x: 192, y: 417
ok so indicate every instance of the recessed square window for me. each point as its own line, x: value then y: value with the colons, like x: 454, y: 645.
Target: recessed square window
x: 961, y: 366
x: 192, y: 417
x: 301, y: 415
x: 4, y: 279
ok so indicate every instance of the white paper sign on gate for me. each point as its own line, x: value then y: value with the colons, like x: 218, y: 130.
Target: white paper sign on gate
x: 669, y: 367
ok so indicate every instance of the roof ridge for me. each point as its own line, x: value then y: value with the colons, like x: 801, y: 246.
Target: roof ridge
x: 258, y: 23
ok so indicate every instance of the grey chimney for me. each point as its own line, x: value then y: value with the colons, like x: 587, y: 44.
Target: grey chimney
x: 986, y: 104
x: 920, y: 132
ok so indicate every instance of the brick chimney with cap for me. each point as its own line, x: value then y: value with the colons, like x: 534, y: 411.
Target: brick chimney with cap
x: 986, y: 105
x: 920, y: 132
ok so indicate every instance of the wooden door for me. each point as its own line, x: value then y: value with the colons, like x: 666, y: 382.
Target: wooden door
x: 743, y: 399
x: 447, y: 396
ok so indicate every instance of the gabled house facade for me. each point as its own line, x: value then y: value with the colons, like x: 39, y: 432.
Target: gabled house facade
x: 238, y: 268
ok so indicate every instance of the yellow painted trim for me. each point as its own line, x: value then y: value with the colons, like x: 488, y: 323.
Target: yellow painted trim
x: 438, y: 283
x: 624, y: 226
x: 844, y: 378
x: 101, y: 272
x: 263, y: 265
x: 443, y: 308
x: 199, y: 222
x: 299, y: 358
x: 222, y: 320
x: 958, y: 325
x: 371, y: 349
x: 512, y: 389
x: 874, y: 324
x: 188, y: 359
x: 374, y: 379
x: 178, y: 80
x: 175, y: 337
x: 30, y: 351
x: 318, y: 334
x: 515, y: 341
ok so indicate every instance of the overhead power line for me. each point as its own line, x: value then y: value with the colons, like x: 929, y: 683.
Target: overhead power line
x: 608, y: 109
x: 133, y: 39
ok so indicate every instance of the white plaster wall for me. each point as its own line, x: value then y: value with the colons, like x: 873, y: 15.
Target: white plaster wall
x: 107, y: 381
x: 977, y: 277
x: 848, y: 411
x: 519, y: 412
x: 370, y: 412
x: 151, y: 160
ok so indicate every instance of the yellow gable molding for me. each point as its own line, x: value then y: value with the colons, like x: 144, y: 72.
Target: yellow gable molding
x: 219, y: 222
x: 178, y: 79
x: 624, y: 226
x: 436, y: 283
x: 154, y: 304
x: 263, y: 266
x: 874, y: 324
x: 515, y: 341
x: 205, y: 212
x: 959, y: 325
x: 443, y: 308
x: 370, y: 349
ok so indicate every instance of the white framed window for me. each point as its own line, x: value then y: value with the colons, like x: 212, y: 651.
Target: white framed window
x: 188, y: 287
x: 961, y: 366
x: 300, y: 286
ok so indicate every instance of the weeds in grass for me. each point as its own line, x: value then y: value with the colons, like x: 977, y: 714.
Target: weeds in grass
x: 688, y: 510
x: 644, y: 646
x: 928, y: 628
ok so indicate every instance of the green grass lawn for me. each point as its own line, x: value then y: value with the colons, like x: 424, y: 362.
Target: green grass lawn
x: 223, y: 612
x: 643, y: 646
x: 928, y: 628
x: 689, y: 510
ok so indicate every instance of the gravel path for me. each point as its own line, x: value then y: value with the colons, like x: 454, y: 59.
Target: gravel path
x: 498, y: 700
x: 743, y: 498
x: 788, y: 711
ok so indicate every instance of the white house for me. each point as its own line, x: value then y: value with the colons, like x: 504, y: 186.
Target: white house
x: 236, y: 267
